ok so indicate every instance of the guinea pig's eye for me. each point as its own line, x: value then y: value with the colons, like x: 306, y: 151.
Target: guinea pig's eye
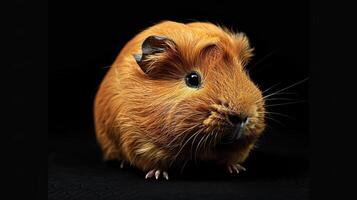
x: 193, y: 80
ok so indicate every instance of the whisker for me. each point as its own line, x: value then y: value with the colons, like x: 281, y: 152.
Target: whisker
x: 192, y: 143
x: 269, y: 127
x: 215, y: 138
x: 106, y: 67
x: 280, y: 104
x: 211, y: 140
x: 295, y: 84
x: 198, y: 145
x: 261, y: 60
x: 275, y: 120
x: 280, y: 114
x: 271, y: 87
x: 179, y: 135
x: 183, y: 166
x: 273, y: 99
x: 178, y: 153
x: 265, y: 98
x: 206, y: 148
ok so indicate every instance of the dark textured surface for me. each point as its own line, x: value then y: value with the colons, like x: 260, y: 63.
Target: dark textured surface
x: 278, y: 169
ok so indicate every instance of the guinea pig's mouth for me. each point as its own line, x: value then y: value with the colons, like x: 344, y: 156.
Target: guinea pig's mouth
x: 234, y: 135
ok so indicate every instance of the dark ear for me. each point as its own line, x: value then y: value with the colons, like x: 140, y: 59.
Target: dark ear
x: 151, y: 46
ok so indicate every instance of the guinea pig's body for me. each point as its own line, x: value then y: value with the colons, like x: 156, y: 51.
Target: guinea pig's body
x: 179, y: 92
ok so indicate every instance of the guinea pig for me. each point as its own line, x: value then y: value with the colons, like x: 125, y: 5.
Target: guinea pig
x: 180, y: 92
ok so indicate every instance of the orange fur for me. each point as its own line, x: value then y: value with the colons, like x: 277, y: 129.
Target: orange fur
x: 152, y: 120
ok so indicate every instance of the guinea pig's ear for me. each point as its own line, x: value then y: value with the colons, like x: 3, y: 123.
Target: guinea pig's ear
x: 245, y: 52
x: 152, y: 45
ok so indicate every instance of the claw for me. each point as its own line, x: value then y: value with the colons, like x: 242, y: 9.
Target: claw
x: 156, y: 173
x: 150, y: 174
x: 241, y: 167
x: 166, y: 175
x: 235, y: 168
x: 122, y: 164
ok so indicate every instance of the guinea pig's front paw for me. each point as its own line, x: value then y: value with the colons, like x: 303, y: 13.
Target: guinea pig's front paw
x: 235, y: 168
x: 157, y: 173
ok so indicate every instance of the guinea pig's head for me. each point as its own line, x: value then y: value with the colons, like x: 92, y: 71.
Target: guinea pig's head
x: 199, y: 94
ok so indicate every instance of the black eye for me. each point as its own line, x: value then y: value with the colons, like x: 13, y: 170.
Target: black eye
x: 193, y: 80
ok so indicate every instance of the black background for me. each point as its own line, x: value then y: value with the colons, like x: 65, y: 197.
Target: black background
x: 86, y: 37
x: 74, y: 167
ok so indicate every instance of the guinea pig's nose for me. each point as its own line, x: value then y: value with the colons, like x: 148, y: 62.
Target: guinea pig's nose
x: 236, y: 119
x: 239, y: 122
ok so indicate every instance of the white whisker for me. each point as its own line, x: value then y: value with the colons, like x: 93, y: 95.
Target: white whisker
x: 295, y: 84
x: 275, y: 120
x: 280, y: 104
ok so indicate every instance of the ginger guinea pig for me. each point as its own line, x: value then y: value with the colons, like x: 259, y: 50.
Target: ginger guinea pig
x: 179, y: 92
